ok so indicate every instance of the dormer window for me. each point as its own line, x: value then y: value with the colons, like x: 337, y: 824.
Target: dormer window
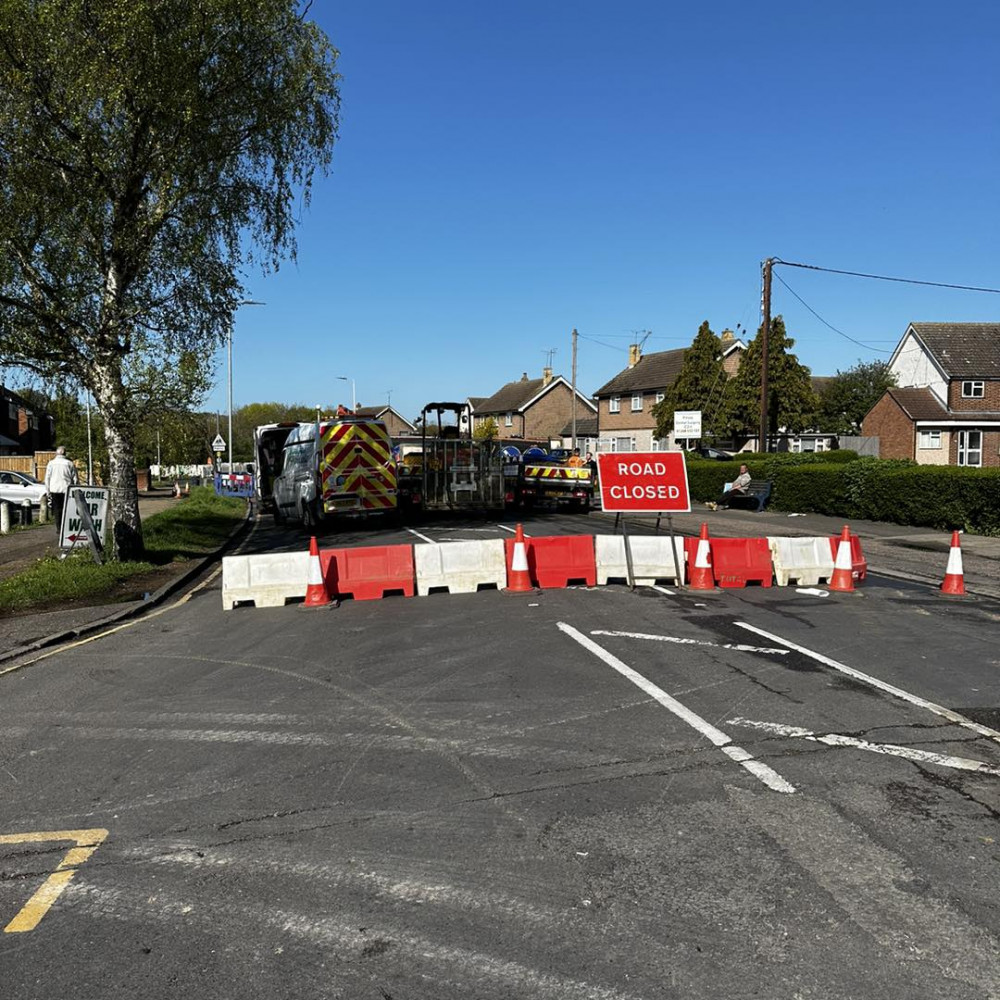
x: 973, y: 390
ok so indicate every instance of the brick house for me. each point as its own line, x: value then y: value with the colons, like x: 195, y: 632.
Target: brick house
x: 532, y: 409
x: 625, y: 404
x: 23, y: 431
x: 396, y: 424
x: 946, y: 409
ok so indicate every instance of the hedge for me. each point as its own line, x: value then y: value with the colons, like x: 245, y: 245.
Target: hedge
x: 897, y: 491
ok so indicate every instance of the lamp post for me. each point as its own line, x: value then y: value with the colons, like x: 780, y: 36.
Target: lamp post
x: 354, y: 397
x: 242, y: 302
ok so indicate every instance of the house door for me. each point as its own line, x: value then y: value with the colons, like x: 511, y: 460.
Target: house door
x: 970, y: 448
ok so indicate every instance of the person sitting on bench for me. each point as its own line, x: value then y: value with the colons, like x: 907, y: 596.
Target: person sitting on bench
x: 740, y: 484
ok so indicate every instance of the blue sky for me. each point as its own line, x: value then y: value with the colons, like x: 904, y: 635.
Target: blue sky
x: 507, y: 172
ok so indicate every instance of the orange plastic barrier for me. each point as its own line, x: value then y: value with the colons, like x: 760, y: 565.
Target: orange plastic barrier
x: 859, y: 565
x: 369, y: 573
x: 739, y: 561
x: 557, y: 560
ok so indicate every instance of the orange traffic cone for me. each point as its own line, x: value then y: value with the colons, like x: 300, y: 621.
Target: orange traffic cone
x: 187, y: 488
x: 519, y: 578
x: 316, y: 593
x: 700, y: 576
x: 954, y: 581
x: 843, y: 565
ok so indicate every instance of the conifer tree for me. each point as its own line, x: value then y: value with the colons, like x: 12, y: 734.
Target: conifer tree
x: 700, y: 385
x: 792, y: 404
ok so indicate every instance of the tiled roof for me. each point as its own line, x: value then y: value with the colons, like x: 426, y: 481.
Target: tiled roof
x: 919, y: 404
x: 585, y: 427
x: 653, y: 371
x: 963, y: 350
x: 370, y: 411
x: 511, y: 397
x: 476, y: 401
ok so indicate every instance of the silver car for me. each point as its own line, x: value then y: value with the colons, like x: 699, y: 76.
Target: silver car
x: 16, y: 487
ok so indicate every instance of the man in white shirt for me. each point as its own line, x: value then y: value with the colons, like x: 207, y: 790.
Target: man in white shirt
x: 60, y: 475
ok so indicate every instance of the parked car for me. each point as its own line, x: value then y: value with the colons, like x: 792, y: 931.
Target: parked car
x: 716, y: 453
x: 16, y: 487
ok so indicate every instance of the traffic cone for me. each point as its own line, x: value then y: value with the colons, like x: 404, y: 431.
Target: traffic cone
x: 519, y: 578
x: 843, y: 565
x: 954, y: 581
x: 177, y: 489
x: 700, y: 576
x: 316, y: 592
x: 187, y: 488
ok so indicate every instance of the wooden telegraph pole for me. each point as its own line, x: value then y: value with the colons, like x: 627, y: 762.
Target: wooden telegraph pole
x: 573, y: 445
x: 765, y: 301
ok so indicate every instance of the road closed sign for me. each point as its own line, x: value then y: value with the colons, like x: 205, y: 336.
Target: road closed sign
x: 652, y: 482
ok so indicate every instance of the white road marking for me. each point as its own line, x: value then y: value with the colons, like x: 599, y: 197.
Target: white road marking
x: 423, y: 538
x: 513, y: 531
x: 892, y: 750
x: 663, y: 590
x: 913, y: 699
x: 694, y: 642
x: 762, y: 772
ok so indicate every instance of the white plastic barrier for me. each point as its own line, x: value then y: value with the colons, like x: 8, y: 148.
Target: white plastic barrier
x: 267, y: 580
x: 651, y: 558
x: 803, y: 561
x: 461, y: 567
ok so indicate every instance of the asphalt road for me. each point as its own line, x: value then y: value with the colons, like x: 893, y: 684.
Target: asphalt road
x: 589, y: 793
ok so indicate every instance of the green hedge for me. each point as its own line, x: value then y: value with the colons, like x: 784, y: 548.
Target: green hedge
x: 843, y: 485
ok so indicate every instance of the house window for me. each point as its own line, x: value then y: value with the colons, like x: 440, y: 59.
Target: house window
x: 970, y: 448
x: 636, y: 402
x: 973, y: 390
x: 659, y: 397
x: 615, y: 404
x: 623, y: 444
x: 508, y: 419
x: 928, y: 439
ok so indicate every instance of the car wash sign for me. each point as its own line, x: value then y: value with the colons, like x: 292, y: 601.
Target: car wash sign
x: 84, y: 518
x: 651, y: 482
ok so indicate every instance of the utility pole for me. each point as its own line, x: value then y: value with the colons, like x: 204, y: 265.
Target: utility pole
x: 765, y: 304
x: 573, y: 445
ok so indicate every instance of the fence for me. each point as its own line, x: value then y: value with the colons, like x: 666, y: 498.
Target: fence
x: 862, y: 445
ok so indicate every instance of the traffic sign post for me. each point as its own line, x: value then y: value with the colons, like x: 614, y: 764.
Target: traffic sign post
x: 645, y: 482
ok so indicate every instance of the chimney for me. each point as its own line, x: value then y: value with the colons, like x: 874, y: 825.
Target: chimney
x: 634, y: 355
x: 727, y: 337
x: 546, y: 376
x: 524, y: 377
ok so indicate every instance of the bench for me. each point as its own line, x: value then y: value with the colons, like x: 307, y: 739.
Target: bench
x: 753, y: 497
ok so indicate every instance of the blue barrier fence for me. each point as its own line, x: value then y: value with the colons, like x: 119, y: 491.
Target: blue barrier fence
x: 236, y: 484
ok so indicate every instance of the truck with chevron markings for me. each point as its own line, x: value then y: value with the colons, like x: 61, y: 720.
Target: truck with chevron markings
x: 334, y: 468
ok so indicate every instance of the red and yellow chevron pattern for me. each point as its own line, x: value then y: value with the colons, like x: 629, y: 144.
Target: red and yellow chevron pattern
x: 556, y: 472
x: 357, y: 470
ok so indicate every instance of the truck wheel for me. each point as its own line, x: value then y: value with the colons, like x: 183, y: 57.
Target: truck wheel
x: 279, y: 515
x: 311, y: 521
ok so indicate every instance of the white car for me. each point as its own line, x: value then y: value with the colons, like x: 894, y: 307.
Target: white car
x: 16, y: 487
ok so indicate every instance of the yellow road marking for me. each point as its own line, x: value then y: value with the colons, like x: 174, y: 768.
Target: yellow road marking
x: 87, y: 841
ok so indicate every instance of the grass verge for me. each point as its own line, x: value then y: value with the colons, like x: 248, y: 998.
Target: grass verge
x: 193, y: 528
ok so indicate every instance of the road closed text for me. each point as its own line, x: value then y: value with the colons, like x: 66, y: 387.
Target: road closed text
x: 655, y: 482
x: 638, y: 491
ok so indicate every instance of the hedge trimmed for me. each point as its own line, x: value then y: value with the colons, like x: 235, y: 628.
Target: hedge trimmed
x: 897, y: 491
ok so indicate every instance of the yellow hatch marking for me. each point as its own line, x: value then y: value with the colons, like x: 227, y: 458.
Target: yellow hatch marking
x: 87, y: 841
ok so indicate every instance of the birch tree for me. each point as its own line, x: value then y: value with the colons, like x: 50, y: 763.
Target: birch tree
x: 151, y: 151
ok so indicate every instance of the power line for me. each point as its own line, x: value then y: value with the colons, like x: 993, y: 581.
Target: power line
x: 883, y: 277
x: 867, y: 347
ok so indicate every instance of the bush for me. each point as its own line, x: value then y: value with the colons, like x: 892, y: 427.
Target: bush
x: 812, y: 487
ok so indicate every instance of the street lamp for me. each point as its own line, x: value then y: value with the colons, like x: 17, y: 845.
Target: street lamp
x: 354, y: 397
x: 242, y: 302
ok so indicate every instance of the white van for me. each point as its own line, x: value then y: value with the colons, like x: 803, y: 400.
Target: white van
x: 339, y: 466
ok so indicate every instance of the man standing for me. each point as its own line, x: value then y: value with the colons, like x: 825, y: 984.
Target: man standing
x: 60, y: 475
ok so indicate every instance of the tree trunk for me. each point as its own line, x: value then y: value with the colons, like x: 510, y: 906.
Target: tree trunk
x: 119, y: 432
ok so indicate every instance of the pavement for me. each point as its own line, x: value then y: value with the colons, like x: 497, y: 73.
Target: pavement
x: 892, y: 550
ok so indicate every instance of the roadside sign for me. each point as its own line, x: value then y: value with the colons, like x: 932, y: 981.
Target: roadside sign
x: 687, y: 424
x: 219, y: 444
x: 652, y: 482
x: 84, y: 518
